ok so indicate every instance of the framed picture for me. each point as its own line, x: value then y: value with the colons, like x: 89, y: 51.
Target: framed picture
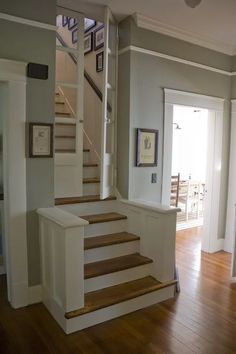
x: 146, y: 147
x: 64, y: 20
x: 88, y: 43
x: 89, y: 24
x: 99, y: 37
x: 74, y: 35
x: 40, y: 140
x: 99, y: 62
x: 72, y: 22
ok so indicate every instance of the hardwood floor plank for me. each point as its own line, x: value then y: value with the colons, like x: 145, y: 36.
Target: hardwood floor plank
x: 201, y: 319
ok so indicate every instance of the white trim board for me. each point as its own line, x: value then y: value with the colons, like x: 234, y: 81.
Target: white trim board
x: 217, y: 108
x: 25, y: 21
x: 184, y: 35
x: 35, y: 294
x: 176, y: 59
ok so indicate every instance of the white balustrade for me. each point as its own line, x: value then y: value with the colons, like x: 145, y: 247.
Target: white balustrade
x: 62, y: 260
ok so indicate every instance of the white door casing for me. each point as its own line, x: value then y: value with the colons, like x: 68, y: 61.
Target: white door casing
x: 210, y: 241
x: 12, y: 76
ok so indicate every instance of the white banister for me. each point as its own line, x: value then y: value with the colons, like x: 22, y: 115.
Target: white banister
x: 156, y: 225
x: 62, y: 259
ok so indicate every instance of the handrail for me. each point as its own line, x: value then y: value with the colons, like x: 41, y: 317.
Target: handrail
x: 86, y: 75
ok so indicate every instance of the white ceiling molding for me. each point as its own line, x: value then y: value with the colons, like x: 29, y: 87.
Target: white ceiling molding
x: 25, y: 21
x: 176, y: 59
x: 176, y: 32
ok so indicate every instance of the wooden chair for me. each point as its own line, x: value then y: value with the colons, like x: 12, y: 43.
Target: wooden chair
x: 174, y: 197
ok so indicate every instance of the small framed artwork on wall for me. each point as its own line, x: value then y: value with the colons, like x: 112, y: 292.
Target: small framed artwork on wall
x: 99, y: 62
x: 88, y: 43
x: 89, y: 24
x: 99, y: 38
x: 64, y: 20
x: 74, y: 35
x: 146, y: 147
x: 40, y: 140
x: 72, y: 22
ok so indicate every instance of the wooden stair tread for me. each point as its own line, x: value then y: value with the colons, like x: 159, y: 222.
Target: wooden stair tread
x: 108, y: 240
x: 91, y: 180
x: 99, y: 299
x: 86, y: 150
x: 60, y: 102
x: 113, y: 265
x: 65, y: 150
x: 106, y: 217
x: 65, y: 136
x: 67, y: 124
x: 67, y: 114
x: 90, y: 165
x: 83, y: 199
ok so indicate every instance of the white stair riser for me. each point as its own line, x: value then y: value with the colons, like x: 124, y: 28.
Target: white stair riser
x: 91, y: 188
x: 86, y: 157
x: 105, y: 228
x: 64, y: 143
x: 64, y: 130
x: 112, y: 251
x: 91, y: 208
x: 90, y: 172
x: 116, y: 278
x: 114, y: 311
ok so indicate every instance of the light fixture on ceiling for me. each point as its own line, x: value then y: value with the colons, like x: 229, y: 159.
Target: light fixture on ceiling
x: 192, y: 3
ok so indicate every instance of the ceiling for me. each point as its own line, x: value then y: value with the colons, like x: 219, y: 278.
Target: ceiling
x: 213, y: 20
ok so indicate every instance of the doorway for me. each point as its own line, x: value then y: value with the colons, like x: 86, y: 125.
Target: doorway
x: 212, y: 240
x: 189, y: 161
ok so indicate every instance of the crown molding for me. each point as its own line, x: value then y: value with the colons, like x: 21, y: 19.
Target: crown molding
x: 176, y: 32
x: 176, y: 59
x: 25, y: 21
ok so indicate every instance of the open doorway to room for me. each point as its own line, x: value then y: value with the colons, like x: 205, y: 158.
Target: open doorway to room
x: 189, y: 161
x: 2, y: 245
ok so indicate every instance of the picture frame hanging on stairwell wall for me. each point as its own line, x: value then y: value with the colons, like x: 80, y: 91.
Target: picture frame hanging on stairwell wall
x: 88, y: 43
x: 40, y: 140
x: 99, y: 37
x: 146, y: 147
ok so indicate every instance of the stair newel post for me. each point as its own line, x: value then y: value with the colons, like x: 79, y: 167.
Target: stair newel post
x: 74, y: 268
x: 62, y: 260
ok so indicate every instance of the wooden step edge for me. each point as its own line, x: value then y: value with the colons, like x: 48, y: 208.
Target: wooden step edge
x: 100, y: 218
x: 91, y: 180
x: 108, y: 266
x: 65, y: 136
x: 125, y: 297
x: 90, y: 165
x: 65, y: 151
x: 86, y: 150
x: 66, y: 124
x: 67, y: 114
x: 83, y: 199
x: 59, y: 102
x: 109, y: 240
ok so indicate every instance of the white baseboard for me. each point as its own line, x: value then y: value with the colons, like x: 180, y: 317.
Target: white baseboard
x: 35, y: 294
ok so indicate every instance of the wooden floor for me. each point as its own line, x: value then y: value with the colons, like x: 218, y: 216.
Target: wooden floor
x: 201, y: 319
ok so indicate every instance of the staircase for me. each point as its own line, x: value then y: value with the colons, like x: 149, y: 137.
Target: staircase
x: 65, y: 126
x: 117, y: 277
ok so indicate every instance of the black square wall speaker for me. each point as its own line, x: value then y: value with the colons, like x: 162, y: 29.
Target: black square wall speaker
x: 37, y: 71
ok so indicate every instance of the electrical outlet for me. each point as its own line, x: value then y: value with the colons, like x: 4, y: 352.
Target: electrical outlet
x: 154, y: 178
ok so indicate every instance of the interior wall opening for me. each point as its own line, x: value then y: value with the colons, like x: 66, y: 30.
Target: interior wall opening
x: 189, y: 164
x: 2, y: 246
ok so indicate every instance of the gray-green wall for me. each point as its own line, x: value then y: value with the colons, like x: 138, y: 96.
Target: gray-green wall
x: 30, y: 44
x: 145, y: 78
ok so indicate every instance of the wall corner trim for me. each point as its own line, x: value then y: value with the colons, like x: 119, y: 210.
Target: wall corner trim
x: 184, y: 35
x: 35, y: 294
x: 25, y: 21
